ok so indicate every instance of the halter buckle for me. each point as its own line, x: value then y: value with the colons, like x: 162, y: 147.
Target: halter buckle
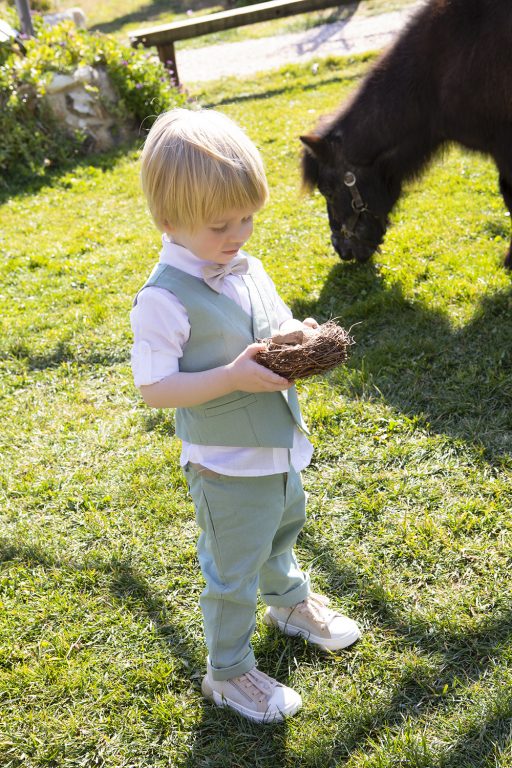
x: 358, y: 206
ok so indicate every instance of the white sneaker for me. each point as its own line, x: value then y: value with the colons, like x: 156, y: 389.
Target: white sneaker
x: 254, y: 695
x: 313, y: 620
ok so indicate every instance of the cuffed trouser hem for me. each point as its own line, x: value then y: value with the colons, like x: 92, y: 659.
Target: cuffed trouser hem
x: 290, y: 598
x: 226, y: 673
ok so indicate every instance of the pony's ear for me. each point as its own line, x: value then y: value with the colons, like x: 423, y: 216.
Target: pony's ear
x: 315, y: 145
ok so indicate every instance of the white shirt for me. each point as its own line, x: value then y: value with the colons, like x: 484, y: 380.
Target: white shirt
x: 161, y: 329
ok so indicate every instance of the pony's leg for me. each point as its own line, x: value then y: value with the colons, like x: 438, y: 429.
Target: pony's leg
x: 506, y: 191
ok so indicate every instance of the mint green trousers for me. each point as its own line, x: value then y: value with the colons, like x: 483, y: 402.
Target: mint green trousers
x: 249, y: 526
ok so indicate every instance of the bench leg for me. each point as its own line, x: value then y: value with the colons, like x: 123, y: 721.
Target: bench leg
x: 167, y: 56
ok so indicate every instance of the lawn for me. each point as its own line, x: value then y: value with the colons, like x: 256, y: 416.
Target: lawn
x: 409, y: 528
x: 118, y: 18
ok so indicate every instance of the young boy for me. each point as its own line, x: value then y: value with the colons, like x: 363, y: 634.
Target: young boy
x: 196, y: 323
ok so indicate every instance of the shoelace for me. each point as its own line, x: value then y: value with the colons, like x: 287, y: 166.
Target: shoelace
x: 316, y: 606
x: 257, y: 685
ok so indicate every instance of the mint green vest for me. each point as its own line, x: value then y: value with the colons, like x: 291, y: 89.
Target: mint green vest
x: 220, y: 331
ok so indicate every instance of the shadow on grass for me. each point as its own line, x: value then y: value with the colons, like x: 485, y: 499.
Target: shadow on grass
x: 459, y: 380
x: 457, y: 657
x: 462, y: 657
x: 152, y: 11
x: 220, y: 735
x: 127, y: 585
x: 223, y: 739
x: 209, y: 103
x: 63, y: 353
x: 31, y: 185
x: 493, y: 737
x: 147, y: 13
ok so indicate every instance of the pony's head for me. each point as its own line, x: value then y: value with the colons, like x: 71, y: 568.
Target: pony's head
x: 358, y: 200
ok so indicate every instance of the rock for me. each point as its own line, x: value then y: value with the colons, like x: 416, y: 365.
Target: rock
x: 84, y: 102
x: 76, y: 15
x: 86, y: 74
x: 59, y: 83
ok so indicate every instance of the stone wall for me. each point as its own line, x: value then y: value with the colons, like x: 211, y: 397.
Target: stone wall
x: 85, y: 101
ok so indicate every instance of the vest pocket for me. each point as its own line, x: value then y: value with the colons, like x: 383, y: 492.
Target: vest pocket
x: 231, y: 405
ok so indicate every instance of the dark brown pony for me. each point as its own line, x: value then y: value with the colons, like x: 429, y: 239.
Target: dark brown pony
x: 447, y: 78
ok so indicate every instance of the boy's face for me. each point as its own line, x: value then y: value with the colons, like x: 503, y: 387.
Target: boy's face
x: 220, y: 240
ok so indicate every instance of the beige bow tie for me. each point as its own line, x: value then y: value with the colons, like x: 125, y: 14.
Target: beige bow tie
x: 214, y: 274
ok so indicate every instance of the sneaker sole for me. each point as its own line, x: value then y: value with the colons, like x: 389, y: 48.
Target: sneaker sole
x: 321, y: 642
x: 258, y: 717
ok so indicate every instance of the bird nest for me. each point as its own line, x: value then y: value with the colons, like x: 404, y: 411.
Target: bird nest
x: 300, y: 354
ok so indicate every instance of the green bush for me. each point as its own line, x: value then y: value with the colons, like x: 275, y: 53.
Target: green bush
x: 44, y: 6
x: 30, y: 139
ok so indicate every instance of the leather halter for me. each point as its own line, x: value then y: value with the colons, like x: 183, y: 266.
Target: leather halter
x: 348, y: 230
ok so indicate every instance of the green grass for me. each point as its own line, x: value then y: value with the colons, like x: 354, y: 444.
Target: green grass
x: 118, y: 17
x: 409, y: 529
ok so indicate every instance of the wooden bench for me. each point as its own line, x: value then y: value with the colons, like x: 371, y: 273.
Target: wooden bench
x: 164, y: 36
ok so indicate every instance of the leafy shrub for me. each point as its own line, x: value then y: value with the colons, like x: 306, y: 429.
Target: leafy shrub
x: 36, y: 5
x: 30, y: 139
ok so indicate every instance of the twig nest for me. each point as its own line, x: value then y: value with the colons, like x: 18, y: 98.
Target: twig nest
x: 307, y: 352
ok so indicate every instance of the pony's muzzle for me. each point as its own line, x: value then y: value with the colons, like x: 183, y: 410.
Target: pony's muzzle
x: 342, y: 247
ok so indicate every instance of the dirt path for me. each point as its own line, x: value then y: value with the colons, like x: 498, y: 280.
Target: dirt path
x: 354, y: 35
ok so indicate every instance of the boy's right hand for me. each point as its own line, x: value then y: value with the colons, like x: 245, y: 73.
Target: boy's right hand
x: 248, y: 376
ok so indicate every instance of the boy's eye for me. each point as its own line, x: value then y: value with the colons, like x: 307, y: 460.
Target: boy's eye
x: 223, y: 228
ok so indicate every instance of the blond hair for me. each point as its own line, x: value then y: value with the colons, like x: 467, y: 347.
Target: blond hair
x: 196, y: 166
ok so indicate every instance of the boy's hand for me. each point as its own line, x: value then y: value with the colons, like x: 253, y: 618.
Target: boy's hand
x: 248, y: 376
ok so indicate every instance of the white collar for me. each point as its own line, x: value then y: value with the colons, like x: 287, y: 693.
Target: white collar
x: 177, y: 256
